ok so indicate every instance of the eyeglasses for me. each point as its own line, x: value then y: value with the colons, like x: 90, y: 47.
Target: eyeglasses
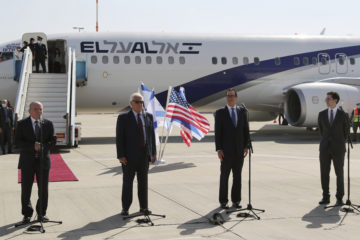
x: 229, y: 96
x: 138, y: 102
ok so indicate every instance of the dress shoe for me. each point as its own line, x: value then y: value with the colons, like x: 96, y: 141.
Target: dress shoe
x: 224, y: 206
x: 236, y: 205
x: 145, y: 211
x: 124, y: 213
x: 339, y: 202
x: 26, y: 220
x: 324, y: 201
x: 43, y: 219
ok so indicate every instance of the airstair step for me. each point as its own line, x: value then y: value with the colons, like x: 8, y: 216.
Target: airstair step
x: 47, y: 85
x: 47, y: 90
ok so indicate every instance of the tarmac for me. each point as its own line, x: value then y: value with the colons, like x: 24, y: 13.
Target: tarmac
x: 285, y: 182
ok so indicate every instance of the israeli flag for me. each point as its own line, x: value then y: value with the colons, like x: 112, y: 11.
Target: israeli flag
x: 153, y: 106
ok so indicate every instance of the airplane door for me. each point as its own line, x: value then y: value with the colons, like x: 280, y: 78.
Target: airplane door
x: 27, y: 36
x: 324, y: 63
x: 341, y: 63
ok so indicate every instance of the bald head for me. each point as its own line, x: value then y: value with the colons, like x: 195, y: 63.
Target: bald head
x: 36, y: 110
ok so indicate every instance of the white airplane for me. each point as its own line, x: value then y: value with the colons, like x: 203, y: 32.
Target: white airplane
x: 272, y: 75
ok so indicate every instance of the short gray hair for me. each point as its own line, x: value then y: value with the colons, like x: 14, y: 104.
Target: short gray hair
x: 136, y: 95
x: 35, y: 102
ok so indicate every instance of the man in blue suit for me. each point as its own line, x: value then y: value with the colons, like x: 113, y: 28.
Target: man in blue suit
x: 136, y: 147
x: 231, y: 140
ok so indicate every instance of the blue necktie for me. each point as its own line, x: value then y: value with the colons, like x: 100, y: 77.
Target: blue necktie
x: 6, y: 115
x: 233, y: 116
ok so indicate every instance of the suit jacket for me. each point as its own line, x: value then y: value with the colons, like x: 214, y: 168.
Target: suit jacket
x: 2, y: 118
x: 128, y: 137
x: 25, y: 142
x: 40, y: 51
x: 333, y: 136
x: 232, y: 140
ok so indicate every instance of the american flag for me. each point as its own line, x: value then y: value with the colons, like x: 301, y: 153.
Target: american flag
x: 183, y: 115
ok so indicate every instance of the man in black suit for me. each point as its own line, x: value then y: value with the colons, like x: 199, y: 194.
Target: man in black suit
x: 334, y: 129
x: 33, y: 136
x: 40, y: 55
x: 6, y: 126
x: 135, y: 145
x: 231, y: 139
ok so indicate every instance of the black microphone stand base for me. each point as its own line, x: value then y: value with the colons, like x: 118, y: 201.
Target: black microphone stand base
x: 248, y: 214
x: 33, y: 228
x: 349, y: 207
x: 146, y: 214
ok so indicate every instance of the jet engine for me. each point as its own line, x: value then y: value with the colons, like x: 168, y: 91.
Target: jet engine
x: 304, y: 101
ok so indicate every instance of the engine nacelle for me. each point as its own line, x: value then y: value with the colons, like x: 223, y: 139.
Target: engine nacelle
x: 305, y: 101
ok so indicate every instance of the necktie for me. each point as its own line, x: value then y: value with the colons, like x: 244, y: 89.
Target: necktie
x: 331, y: 116
x: 37, y: 131
x: 141, y: 130
x: 233, y: 116
x: 6, y: 115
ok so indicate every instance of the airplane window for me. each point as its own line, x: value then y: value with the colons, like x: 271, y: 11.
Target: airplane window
x: 214, y: 60
x: 93, y: 59
x: 148, y: 60
x: 314, y: 60
x: 235, y: 60
x: 182, y: 60
x: 245, y: 60
x: 159, y: 60
x: 105, y: 59
x: 296, y: 60
x: 352, y: 61
x: 171, y: 60
x: 126, y: 59
x: 223, y: 60
x: 137, y: 59
x: 256, y: 60
x: 305, y: 61
x: 323, y: 61
x: 116, y: 59
x: 277, y: 61
x: 341, y: 60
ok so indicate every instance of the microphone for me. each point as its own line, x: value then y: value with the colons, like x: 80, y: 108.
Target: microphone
x: 243, y: 106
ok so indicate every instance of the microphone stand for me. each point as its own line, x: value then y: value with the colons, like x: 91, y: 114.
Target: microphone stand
x: 147, y: 213
x: 249, y: 207
x: 349, y: 207
x: 40, y: 219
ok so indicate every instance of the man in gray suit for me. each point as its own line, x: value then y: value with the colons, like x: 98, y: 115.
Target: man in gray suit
x: 334, y: 129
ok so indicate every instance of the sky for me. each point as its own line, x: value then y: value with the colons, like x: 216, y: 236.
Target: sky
x: 254, y: 17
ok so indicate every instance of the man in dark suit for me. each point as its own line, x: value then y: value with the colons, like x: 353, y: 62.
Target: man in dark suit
x: 33, y: 136
x: 231, y: 139
x: 40, y: 55
x: 135, y: 145
x: 334, y: 129
x: 6, y: 126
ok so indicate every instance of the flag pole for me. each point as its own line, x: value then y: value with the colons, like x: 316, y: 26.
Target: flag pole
x: 162, y: 132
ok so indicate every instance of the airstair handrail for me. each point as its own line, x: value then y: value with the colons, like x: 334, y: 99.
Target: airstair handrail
x: 73, y: 100
x: 26, y: 70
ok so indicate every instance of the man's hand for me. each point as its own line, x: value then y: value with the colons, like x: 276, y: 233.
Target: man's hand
x: 153, y: 159
x: 37, y: 146
x: 220, y: 155
x: 123, y: 160
x: 246, y: 151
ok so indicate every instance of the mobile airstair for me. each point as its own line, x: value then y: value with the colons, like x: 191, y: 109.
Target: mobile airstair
x: 56, y: 91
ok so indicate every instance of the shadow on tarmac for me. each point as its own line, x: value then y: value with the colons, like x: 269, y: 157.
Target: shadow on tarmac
x: 94, y: 228
x: 319, y: 216
x: 153, y: 169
